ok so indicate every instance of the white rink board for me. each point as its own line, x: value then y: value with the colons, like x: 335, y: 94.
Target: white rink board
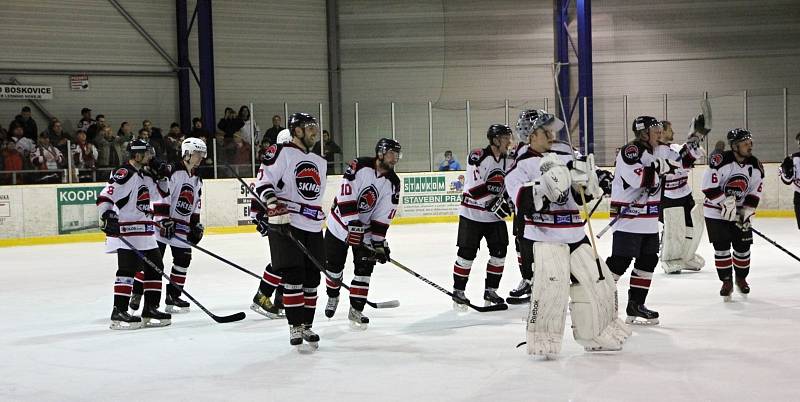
x: 57, y: 346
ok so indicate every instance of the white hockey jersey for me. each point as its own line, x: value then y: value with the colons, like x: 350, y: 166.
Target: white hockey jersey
x: 636, y: 190
x: 725, y: 176
x: 182, y: 204
x: 559, y: 221
x: 793, y: 180
x: 130, y: 194
x: 676, y: 185
x: 366, y: 196
x: 298, y: 179
x: 485, y: 180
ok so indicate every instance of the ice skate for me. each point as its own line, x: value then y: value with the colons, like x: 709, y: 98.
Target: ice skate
x: 743, y: 286
x: 491, y: 298
x: 136, y: 300
x: 520, y: 295
x: 299, y: 333
x: 153, y: 318
x: 460, y: 300
x: 727, y: 290
x: 263, y: 305
x: 330, y: 308
x: 639, y: 314
x: 123, y: 321
x: 310, y: 337
x: 176, y: 305
x: 357, y: 319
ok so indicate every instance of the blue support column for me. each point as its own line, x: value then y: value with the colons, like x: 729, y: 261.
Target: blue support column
x: 205, y: 44
x: 184, y: 93
x: 584, y: 13
x: 561, y: 37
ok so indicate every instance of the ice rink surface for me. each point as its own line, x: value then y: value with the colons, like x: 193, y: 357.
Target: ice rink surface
x: 56, y: 345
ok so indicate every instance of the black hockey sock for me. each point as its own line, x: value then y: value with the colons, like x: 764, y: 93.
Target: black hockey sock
x: 494, y: 272
x: 741, y: 263
x: 138, y: 283
x: 310, y: 305
x: 294, y: 303
x: 724, y: 264
x: 122, y: 292
x: 461, y: 270
x: 269, y: 281
x: 177, y: 276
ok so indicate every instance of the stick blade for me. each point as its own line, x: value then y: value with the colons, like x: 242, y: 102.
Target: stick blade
x: 493, y: 307
x: 386, y: 304
x: 229, y: 318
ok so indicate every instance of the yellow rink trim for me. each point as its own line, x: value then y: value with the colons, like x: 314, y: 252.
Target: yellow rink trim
x: 99, y: 237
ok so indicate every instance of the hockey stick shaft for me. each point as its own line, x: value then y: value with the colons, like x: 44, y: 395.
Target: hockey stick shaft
x: 251, y: 273
x: 302, y: 247
x: 220, y: 319
x: 774, y: 243
x: 621, y: 212
x: 496, y: 307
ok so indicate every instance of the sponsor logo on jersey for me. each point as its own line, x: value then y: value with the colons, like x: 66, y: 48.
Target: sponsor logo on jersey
x: 306, y: 176
x: 367, y: 199
x: 120, y: 173
x: 563, y: 219
x: 495, y: 181
x: 631, y: 152
x: 185, y: 204
x: 143, y: 200
x: 737, y: 186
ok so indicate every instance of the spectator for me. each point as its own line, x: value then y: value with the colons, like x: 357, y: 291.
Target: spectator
x: 3, y: 135
x: 449, y: 162
x: 125, y: 130
x: 143, y: 135
x: 330, y: 149
x: 229, y: 124
x: 24, y: 144
x: 84, y: 157
x: 58, y: 138
x: 47, y: 157
x: 12, y: 160
x: 198, y: 131
x: 158, y: 142
x: 86, y: 120
x: 29, y: 128
x: 241, y: 151
x: 174, y: 139
x: 148, y: 125
x: 106, y: 148
x: 91, y: 132
x: 244, y: 119
x: 271, y: 136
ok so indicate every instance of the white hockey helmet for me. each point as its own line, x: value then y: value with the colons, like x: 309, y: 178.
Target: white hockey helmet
x: 192, y: 145
x: 284, y: 136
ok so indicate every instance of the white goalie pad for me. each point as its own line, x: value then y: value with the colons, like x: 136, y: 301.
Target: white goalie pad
x: 698, y: 223
x: 548, y: 307
x: 673, y: 242
x: 593, y: 307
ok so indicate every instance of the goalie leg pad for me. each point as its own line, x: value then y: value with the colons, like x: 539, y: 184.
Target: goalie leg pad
x: 693, y: 260
x: 547, y: 314
x: 673, y: 243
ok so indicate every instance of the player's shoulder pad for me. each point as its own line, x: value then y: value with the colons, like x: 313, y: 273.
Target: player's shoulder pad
x: 122, y: 174
x: 632, y: 152
x: 271, y: 154
x: 795, y: 155
x: 395, y: 180
x: 476, y: 156
x: 753, y: 161
x: 719, y: 160
x: 352, y: 167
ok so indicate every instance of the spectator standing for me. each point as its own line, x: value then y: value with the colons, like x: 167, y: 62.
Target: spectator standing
x: 47, y: 157
x: 106, y: 147
x: 198, y: 131
x: 84, y: 153
x: 58, y: 138
x: 154, y: 131
x: 24, y: 144
x: 229, y: 124
x: 29, y: 128
x: 86, y: 120
x: 174, y: 139
x: 271, y: 136
x: 248, y: 135
x: 143, y: 135
x: 12, y: 160
x: 330, y: 149
x: 449, y: 162
x: 91, y: 132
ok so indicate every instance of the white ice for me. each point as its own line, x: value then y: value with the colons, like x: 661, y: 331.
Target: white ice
x: 56, y: 345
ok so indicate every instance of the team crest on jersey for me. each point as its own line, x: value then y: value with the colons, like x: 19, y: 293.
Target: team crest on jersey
x: 270, y: 152
x: 143, y: 200
x: 716, y: 159
x: 475, y: 155
x: 737, y: 186
x: 120, y: 174
x: 185, y: 203
x: 495, y: 181
x: 367, y: 199
x: 631, y: 152
x: 306, y: 176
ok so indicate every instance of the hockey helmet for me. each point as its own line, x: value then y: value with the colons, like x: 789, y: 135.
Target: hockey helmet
x: 496, y: 130
x: 387, y: 144
x: 139, y: 146
x: 192, y: 145
x: 301, y: 120
x: 737, y: 135
x: 642, y: 123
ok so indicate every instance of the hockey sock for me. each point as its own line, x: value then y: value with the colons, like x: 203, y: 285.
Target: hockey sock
x: 741, y: 263
x: 524, y: 257
x: 294, y: 303
x: 310, y: 305
x: 152, y: 288
x: 269, y: 281
x: 461, y: 273
x: 358, y: 292
x: 494, y: 272
x: 333, y: 283
x: 138, y: 283
x: 177, y: 276
x: 722, y: 259
x: 123, y: 285
x: 642, y: 276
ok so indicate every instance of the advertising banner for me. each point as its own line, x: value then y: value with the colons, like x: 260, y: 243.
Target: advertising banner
x: 77, y: 211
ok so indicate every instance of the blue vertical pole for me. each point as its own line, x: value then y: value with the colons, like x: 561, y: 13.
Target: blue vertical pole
x: 184, y: 93
x: 205, y: 44
x: 561, y: 14
x: 584, y: 13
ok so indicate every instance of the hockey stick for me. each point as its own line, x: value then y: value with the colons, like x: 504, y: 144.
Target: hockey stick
x: 494, y: 307
x: 774, y: 243
x: 220, y: 319
x: 251, y: 273
x: 302, y: 247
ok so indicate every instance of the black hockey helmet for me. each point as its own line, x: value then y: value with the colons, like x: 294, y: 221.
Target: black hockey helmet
x: 301, y: 120
x: 737, y: 135
x: 496, y: 130
x: 138, y: 146
x: 643, y: 123
x: 387, y: 144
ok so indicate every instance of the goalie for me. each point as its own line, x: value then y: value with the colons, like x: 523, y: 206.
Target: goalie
x: 545, y: 192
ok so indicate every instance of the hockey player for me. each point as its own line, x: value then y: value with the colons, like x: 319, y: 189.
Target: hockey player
x: 635, y: 197
x: 361, y: 213
x: 483, y: 191
x: 291, y: 184
x: 180, y: 212
x: 732, y: 186
x: 790, y: 175
x: 124, y: 206
x: 683, y: 221
x: 546, y: 195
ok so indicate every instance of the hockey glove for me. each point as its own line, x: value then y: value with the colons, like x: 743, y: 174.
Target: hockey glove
x: 109, y: 223
x: 262, y: 226
x: 728, y: 206
x: 605, y: 178
x: 268, y: 197
x: 381, y: 251
x: 743, y: 216
x: 787, y: 167
x: 196, y: 233
x: 158, y: 169
x: 355, y: 233
x: 500, y: 206
x: 167, y: 228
